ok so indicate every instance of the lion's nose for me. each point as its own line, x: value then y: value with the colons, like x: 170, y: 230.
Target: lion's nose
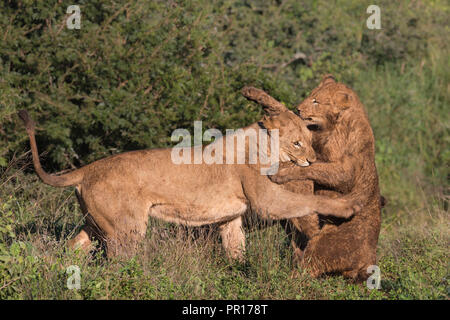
x: 312, y: 159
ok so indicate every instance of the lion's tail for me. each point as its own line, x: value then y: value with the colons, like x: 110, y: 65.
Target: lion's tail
x: 69, y: 179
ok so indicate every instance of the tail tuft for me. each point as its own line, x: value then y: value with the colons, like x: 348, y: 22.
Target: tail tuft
x: 29, y: 124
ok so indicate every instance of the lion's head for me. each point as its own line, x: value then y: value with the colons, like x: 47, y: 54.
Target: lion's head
x: 295, y: 138
x: 327, y: 103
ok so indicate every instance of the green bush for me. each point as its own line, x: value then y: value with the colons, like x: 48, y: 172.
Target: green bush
x: 136, y: 71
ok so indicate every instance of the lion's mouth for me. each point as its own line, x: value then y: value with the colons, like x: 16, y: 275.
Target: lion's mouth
x: 302, y: 163
x: 313, y: 124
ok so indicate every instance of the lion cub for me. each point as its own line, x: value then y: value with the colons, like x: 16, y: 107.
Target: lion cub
x: 345, y: 144
x: 117, y: 194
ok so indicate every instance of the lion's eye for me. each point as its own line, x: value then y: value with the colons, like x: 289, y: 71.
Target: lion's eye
x: 314, y: 101
x: 298, y: 144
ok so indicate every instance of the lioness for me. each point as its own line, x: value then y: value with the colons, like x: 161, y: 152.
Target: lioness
x: 345, y: 145
x: 120, y: 192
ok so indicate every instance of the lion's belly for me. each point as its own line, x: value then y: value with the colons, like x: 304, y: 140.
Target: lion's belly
x: 198, y: 201
x: 198, y: 215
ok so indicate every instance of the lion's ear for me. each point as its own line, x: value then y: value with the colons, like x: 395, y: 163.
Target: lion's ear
x: 327, y: 79
x: 270, y: 123
x: 264, y: 123
x: 343, y: 100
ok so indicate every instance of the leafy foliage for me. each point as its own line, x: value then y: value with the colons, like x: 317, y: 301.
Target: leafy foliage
x: 136, y: 71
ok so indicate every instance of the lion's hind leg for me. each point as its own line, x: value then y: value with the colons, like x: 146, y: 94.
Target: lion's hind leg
x: 83, y: 239
x: 128, y: 232
x: 343, y: 249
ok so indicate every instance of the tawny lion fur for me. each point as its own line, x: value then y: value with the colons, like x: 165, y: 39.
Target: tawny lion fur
x: 118, y: 194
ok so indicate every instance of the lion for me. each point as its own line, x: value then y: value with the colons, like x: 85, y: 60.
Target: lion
x: 345, y: 145
x: 117, y: 194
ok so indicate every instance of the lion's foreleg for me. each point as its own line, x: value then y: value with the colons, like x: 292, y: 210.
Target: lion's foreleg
x: 233, y: 239
x: 81, y: 241
x: 271, y: 201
